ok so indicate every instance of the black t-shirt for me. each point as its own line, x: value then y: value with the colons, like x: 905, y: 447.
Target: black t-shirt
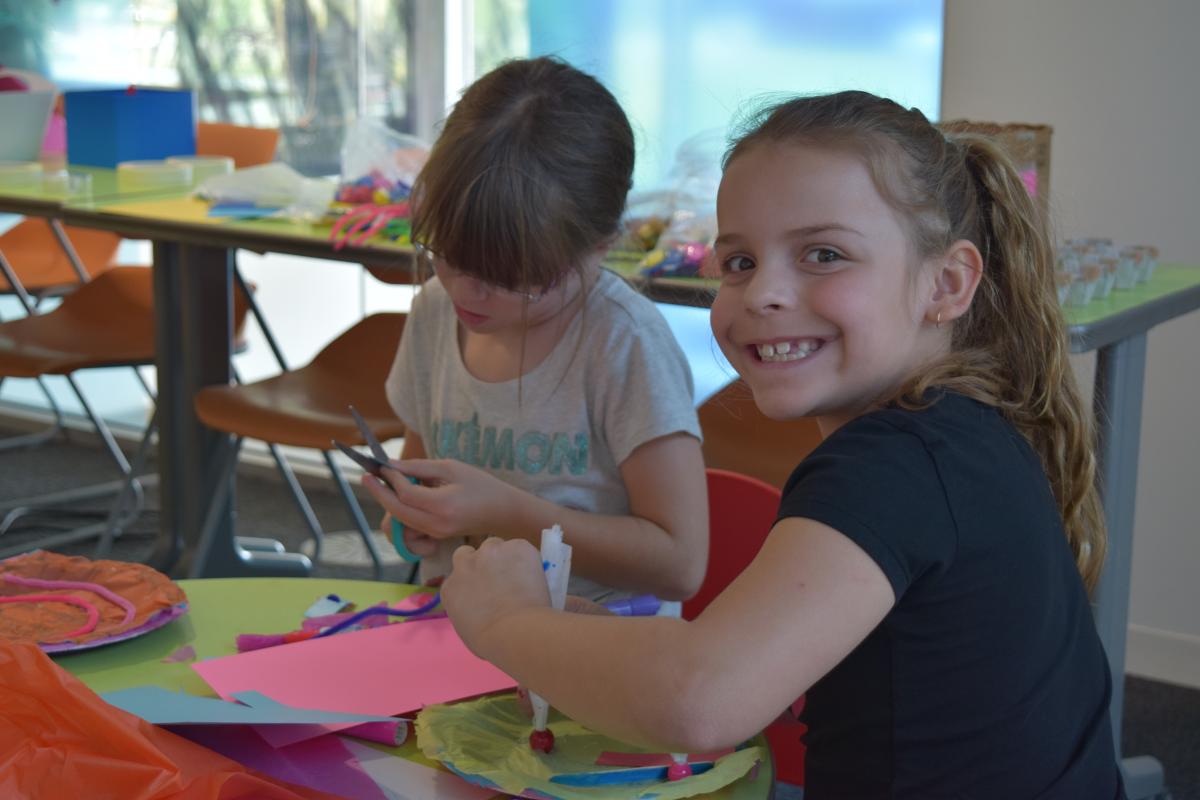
x: 987, y: 679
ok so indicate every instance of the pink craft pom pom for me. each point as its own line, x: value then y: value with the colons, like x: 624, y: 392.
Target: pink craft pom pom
x: 542, y: 741
x: 677, y: 771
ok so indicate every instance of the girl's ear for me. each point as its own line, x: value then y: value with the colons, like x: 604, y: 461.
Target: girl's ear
x: 954, y: 283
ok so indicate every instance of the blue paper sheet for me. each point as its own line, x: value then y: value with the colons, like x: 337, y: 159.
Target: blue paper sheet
x: 164, y: 707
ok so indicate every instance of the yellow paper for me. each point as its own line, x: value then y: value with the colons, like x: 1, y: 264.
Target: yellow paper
x: 174, y: 209
x: 489, y: 738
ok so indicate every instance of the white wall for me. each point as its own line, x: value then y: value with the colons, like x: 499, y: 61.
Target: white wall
x: 1120, y: 84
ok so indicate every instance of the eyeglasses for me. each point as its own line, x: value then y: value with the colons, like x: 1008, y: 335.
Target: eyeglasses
x: 444, y: 271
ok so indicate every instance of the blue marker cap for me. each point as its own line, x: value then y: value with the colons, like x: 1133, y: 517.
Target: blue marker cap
x: 645, y: 605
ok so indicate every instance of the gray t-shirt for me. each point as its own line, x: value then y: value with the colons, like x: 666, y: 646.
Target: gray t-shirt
x: 615, y: 381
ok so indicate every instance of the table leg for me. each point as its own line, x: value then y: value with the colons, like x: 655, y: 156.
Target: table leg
x: 1120, y: 371
x: 193, y: 332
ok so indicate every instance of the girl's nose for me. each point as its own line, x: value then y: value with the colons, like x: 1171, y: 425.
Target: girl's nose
x: 768, y: 290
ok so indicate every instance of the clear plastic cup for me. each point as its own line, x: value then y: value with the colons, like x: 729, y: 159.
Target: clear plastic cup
x: 67, y: 185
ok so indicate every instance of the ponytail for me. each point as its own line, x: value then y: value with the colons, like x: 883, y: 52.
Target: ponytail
x: 1010, y: 349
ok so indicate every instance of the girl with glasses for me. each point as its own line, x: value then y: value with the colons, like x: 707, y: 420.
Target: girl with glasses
x: 537, y: 387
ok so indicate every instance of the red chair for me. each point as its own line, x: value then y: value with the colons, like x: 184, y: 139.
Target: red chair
x: 741, y: 512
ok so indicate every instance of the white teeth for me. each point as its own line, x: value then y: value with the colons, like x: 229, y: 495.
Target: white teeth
x: 787, y: 351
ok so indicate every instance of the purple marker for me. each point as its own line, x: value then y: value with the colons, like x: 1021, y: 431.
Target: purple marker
x: 644, y: 605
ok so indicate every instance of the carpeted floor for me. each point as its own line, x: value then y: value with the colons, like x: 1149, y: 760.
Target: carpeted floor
x: 1161, y: 720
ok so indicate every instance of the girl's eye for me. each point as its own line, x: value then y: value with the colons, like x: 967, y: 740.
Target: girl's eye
x: 822, y: 255
x: 737, y: 264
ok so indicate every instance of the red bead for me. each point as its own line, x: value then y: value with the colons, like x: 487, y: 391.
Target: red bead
x: 677, y: 772
x: 542, y: 741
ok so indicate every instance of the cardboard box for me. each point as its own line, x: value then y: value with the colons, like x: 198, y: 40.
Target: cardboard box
x: 108, y: 126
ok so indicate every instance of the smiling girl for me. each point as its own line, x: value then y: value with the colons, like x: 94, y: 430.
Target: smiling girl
x: 925, y: 585
x: 538, y: 388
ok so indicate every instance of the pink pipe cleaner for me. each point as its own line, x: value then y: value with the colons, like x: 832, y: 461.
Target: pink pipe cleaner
x: 92, y: 612
x: 103, y: 591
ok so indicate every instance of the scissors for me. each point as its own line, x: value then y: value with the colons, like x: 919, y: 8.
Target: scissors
x: 374, y: 464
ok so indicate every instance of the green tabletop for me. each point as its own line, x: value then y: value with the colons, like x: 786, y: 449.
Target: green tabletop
x: 218, y: 610
x: 1174, y: 289
x: 221, y: 608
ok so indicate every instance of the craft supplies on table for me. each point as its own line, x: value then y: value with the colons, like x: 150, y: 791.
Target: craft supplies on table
x: 46, y: 597
x: 482, y: 741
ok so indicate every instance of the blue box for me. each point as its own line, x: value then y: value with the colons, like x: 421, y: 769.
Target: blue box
x: 108, y: 126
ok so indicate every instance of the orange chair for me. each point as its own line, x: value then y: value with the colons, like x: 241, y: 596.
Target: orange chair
x: 740, y: 438
x: 48, y: 259
x: 106, y: 322
x: 43, y: 264
x: 247, y: 146
x: 305, y: 407
x: 741, y: 512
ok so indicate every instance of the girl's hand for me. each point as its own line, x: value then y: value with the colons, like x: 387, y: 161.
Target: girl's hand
x: 453, y: 499
x: 419, y: 544
x: 486, y: 585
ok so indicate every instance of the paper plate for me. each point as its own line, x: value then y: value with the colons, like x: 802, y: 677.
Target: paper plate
x: 156, y: 600
x: 486, y: 741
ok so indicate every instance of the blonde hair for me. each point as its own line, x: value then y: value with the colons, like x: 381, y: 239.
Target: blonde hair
x: 1009, y: 350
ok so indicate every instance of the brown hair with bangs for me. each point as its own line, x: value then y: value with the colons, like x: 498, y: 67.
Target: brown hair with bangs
x: 1010, y: 349
x: 528, y: 176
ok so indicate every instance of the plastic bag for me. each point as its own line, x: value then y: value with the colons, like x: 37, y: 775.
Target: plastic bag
x: 59, y: 739
x: 379, y: 165
x: 271, y: 186
x: 684, y: 242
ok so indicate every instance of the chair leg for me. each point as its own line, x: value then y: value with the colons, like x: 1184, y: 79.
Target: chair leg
x: 211, y: 559
x: 23, y: 440
x: 19, y: 507
x: 360, y: 522
x: 301, y: 499
x: 56, y: 427
x: 116, y: 522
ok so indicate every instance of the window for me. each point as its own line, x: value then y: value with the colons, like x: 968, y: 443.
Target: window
x: 307, y: 67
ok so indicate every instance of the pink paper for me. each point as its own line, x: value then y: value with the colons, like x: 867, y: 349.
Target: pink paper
x: 392, y: 670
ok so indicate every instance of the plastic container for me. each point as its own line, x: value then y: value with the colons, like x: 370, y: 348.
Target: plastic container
x: 67, y: 185
x: 204, y: 167
x: 20, y: 174
x: 1129, y: 267
x: 1062, y: 283
x: 150, y: 175
x: 1083, y: 288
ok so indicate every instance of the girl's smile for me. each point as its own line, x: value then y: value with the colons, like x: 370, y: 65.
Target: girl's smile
x: 820, y: 307
x: 786, y: 351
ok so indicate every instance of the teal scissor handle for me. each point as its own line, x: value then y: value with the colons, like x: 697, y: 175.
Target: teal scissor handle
x: 398, y: 536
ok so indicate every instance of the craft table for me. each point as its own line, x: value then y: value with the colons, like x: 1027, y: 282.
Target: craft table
x: 1116, y: 329
x: 220, y: 609
x: 193, y: 277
